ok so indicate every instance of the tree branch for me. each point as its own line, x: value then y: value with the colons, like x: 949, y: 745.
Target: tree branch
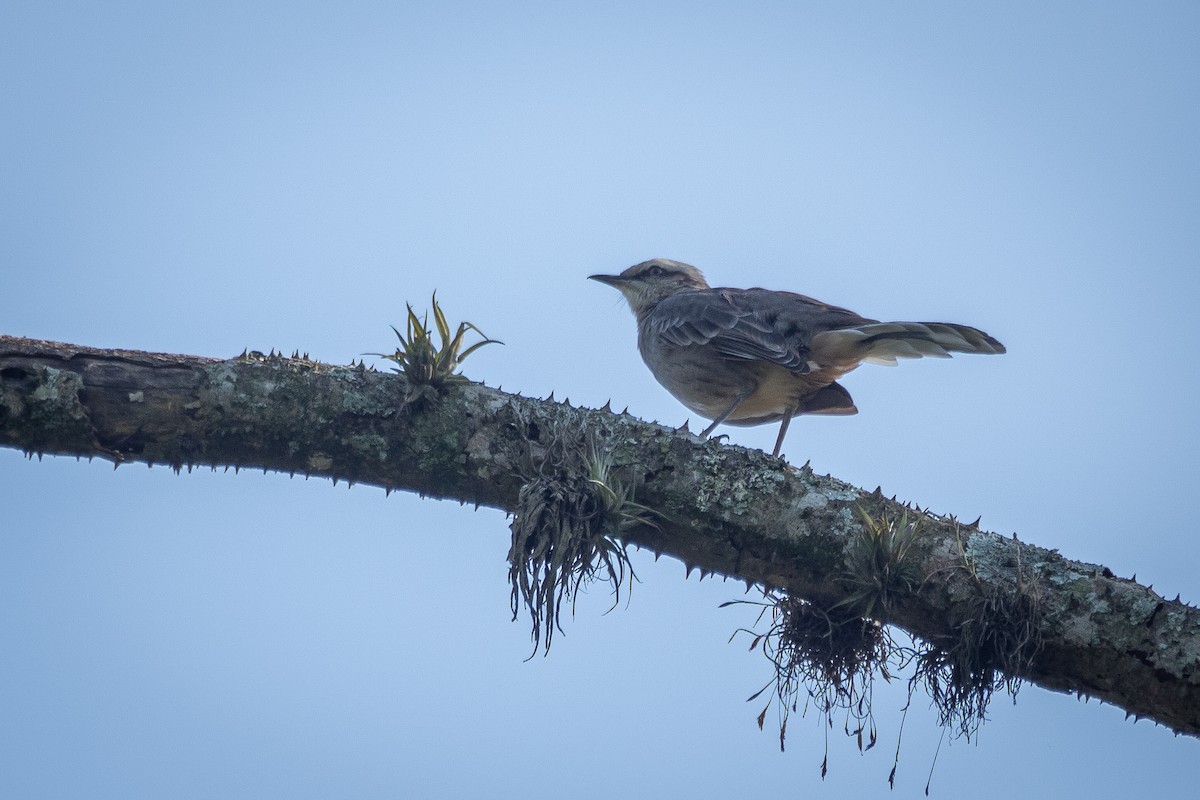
x: 724, y: 509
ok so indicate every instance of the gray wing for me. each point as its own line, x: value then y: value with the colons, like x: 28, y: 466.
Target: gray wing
x: 750, y: 324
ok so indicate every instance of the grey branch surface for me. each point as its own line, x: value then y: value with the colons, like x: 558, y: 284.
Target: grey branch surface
x: 725, y: 509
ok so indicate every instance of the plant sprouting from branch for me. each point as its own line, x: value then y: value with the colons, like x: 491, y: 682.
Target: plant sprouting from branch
x: 426, y: 364
x: 566, y: 530
x: 878, y: 566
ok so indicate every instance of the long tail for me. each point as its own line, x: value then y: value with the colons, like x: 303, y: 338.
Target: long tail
x: 884, y: 342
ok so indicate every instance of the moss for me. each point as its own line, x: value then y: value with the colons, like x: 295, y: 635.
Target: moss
x: 822, y: 555
x: 370, y: 447
x: 372, y: 399
x: 53, y: 414
x: 439, y: 447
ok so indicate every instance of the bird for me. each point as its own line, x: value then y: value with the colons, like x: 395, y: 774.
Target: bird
x: 756, y: 356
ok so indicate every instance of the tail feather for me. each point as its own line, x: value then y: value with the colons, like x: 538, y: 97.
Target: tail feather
x: 884, y: 342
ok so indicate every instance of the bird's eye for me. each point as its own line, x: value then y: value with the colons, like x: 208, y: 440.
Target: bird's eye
x: 654, y: 271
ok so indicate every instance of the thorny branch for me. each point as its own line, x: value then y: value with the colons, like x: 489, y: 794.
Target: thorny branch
x: 718, y: 508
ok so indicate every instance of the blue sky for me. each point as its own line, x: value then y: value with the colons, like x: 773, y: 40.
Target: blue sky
x: 206, y: 178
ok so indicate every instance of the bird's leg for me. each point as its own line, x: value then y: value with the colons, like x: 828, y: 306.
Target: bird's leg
x: 783, y: 426
x: 737, y: 401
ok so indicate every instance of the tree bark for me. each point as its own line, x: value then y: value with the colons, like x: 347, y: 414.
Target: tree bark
x: 720, y: 508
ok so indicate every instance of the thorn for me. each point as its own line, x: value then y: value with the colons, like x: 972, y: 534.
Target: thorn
x: 607, y: 405
x: 978, y: 519
x: 567, y: 402
x: 550, y: 399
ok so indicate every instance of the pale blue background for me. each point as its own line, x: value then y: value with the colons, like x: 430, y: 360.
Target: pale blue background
x: 206, y: 178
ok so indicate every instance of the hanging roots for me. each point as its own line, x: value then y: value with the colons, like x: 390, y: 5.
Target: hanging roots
x: 830, y: 657
x: 565, y: 532
x: 998, y: 641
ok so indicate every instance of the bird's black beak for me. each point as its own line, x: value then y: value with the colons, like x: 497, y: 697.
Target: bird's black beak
x: 610, y: 280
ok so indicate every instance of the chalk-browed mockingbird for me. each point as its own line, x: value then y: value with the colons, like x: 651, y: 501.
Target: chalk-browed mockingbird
x: 753, y: 356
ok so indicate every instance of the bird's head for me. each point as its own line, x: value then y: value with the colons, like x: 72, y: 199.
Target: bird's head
x: 648, y: 283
